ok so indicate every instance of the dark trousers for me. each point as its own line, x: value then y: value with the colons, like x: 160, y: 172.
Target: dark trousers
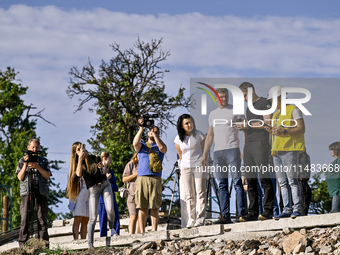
x: 40, y: 204
x: 256, y: 153
x: 306, y: 197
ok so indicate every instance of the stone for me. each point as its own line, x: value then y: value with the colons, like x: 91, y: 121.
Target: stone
x: 287, y: 231
x: 253, y: 252
x: 303, y: 231
x: 275, y: 251
x: 146, y: 246
x: 148, y: 252
x: 334, y: 237
x: 292, y: 241
x: 299, y: 248
x: 219, y: 240
x: 308, y: 249
x: 326, y: 250
x: 160, y: 243
x: 197, y: 249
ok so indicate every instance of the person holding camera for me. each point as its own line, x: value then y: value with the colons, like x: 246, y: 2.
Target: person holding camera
x: 149, y: 182
x: 38, y: 170
x: 87, y: 166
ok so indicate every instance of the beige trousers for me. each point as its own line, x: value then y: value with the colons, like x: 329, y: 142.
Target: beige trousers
x: 194, y: 193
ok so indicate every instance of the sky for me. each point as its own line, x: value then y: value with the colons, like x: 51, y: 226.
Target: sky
x: 216, y: 39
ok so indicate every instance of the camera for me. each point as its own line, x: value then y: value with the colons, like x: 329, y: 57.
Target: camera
x: 148, y: 121
x: 83, y: 146
x: 32, y: 156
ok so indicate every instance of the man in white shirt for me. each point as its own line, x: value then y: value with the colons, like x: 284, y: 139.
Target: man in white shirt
x: 226, y: 155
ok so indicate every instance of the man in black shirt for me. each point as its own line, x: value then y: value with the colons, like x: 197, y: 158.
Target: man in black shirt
x: 256, y: 153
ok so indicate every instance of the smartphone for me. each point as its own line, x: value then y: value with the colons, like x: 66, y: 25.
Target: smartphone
x: 266, y: 125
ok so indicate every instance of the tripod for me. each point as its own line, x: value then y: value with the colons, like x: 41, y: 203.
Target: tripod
x: 30, y: 210
x: 175, y: 171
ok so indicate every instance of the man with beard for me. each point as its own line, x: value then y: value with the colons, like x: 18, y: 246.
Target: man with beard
x: 149, y: 182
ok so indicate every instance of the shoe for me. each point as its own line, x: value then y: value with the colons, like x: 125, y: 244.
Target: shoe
x: 265, y: 216
x: 198, y: 224
x: 281, y: 215
x: 248, y: 217
x: 113, y: 232
x: 237, y: 219
x: 295, y: 214
x: 222, y: 220
x: 191, y: 225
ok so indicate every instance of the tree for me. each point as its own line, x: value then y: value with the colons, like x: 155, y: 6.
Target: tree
x: 321, y: 201
x: 124, y: 89
x: 17, y: 126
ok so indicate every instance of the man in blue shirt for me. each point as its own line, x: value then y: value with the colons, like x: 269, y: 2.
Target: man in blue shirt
x: 148, y: 183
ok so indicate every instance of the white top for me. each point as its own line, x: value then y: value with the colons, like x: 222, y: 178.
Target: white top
x: 191, y: 149
x: 225, y: 134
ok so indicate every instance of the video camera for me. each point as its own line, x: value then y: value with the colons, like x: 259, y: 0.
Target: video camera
x: 32, y: 156
x: 148, y: 122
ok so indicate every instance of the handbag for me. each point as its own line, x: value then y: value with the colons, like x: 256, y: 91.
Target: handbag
x: 155, y: 162
x: 123, y: 192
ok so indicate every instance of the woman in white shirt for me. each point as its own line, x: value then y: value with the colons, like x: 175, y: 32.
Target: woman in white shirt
x: 189, y: 145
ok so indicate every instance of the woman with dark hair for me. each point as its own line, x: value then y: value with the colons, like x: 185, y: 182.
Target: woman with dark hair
x: 84, y: 165
x: 189, y: 145
x: 333, y: 177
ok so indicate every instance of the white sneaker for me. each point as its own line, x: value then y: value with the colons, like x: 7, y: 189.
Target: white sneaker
x: 113, y: 232
x: 198, y: 224
x: 191, y: 225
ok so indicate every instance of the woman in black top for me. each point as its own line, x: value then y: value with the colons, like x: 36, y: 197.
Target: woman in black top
x: 84, y: 165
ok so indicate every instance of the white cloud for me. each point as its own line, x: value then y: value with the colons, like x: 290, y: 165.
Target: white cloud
x: 44, y: 43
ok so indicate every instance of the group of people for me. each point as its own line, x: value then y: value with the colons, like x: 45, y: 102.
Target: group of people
x: 91, y: 184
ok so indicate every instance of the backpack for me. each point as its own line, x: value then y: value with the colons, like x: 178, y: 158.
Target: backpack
x: 304, y: 166
x: 155, y: 162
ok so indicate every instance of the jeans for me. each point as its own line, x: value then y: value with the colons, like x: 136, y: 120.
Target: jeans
x: 285, y: 163
x: 336, y: 204
x: 105, y: 190
x: 256, y: 155
x: 229, y: 158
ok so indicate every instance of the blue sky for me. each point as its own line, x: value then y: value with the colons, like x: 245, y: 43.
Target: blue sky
x: 216, y: 39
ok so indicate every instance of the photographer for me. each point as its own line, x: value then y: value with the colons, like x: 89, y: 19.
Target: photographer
x: 149, y: 183
x: 37, y: 168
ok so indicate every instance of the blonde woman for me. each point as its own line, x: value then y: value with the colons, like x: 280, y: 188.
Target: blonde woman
x: 83, y: 165
x: 129, y: 176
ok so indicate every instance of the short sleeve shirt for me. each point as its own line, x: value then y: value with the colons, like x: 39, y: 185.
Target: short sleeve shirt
x: 225, y: 134
x: 191, y: 149
x: 130, y: 169
x: 144, y: 161
x: 35, y: 172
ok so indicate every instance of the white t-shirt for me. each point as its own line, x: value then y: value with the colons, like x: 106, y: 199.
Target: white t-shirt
x: 225, y: 135
x: 191, y: 149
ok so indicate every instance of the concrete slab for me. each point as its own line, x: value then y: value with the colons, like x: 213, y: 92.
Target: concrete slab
x: 312, y: 221
x: 211, y: 230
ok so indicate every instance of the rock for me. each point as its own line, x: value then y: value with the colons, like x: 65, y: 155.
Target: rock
x: 165, y: 250
x: 303, y: 231
x: 185, y: 243
x: 326, y: 250
x: 146, y: 246
x: 207, y: 252
x: 287, y: 231
x: 149, y: 252
x: 334, y: 237
x: 299, y: 248
x: 219, y: 240
x: 308, y: 249
x: 197, y: 249
x: 264, y: 246
x: 336, y: 252
x: 253, y: 252
x: 292, y: 241
x: 275, y: 251
x: 160, y: 243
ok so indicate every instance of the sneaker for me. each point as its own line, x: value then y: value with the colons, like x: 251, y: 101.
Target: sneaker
x: 222, y: 220
x: 237, y: 219
x: 281, y: 215
x: 265, y: 216
x: 198, y: 224
x: 113, y: 232
x: 191, y: 225
x: 295, y: 214
x: 248, y: 217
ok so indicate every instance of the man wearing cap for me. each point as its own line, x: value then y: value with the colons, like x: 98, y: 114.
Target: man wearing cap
x: 288, y: 141
x: 256, y: 153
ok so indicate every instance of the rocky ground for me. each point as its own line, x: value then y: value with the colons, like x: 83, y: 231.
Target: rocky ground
x: 287, y: 241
